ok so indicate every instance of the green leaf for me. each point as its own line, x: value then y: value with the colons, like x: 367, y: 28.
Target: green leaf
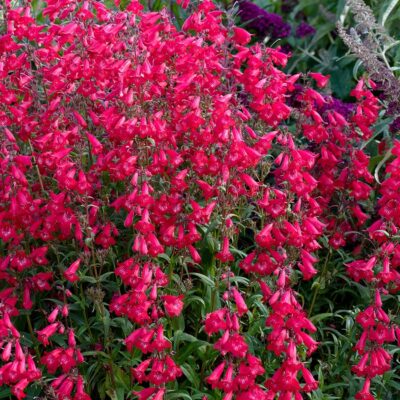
x: 116, y: 394
x: 205, y: 279
x: 191, y: 375
x: 188, y: 350
x: 178, y: 395
x: 157, y: 5
x: 341, y: 82
x: 89, y: 279
x: 5, y: 393
x: 320, y: 317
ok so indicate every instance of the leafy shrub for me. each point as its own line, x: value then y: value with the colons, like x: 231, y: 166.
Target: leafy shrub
x: 166, y: 197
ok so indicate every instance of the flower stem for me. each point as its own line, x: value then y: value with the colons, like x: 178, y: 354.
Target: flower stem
x: 37, y: 168
x: 33, y: 337
x: 316, y: 290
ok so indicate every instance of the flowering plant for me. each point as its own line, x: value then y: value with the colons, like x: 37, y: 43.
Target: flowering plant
x: 165, y: 196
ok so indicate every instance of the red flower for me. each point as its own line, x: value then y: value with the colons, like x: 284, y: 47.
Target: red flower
x: 173, y: 305
x: 70, y: 272
x: 321, y: 80
x: 225, y: 255
x: 240, y: 303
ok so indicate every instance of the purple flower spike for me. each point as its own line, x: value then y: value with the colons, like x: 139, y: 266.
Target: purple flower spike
x: 263, y: 22
x: 304, y: 30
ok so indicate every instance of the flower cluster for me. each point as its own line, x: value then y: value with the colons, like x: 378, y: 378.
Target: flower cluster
x: 143, y: 305
x: 19, y: 369
x: 125, y: 142
x: 236, y: 375
x: 263, y: 22
x: 380, y: 271
x: 304, y: 29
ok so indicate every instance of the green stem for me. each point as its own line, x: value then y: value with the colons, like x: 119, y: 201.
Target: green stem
x: 216, y: 287
x: 33, y: 337
x: 316, y: 290
x: 171, y: 268
x: 388, y: 9
x: 37, y: 167
x: 101, y: 310
x: 85, y: 316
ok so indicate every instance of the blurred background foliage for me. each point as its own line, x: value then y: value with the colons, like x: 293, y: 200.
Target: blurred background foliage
x: 323, y: 50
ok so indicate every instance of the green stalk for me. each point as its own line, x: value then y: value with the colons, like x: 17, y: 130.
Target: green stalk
x: 34, y: 341
x: 37, y: 167
x: 316, y: 290
x: 85, y: 317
